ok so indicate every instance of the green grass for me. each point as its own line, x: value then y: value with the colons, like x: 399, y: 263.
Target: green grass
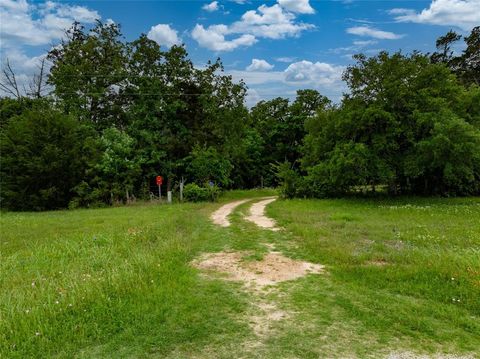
x: 402, y: 275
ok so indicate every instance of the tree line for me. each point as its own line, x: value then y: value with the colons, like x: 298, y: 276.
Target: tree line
x: 120, y: 113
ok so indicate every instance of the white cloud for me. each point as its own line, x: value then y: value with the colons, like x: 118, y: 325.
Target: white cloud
x: 79, y: 13
x: 271, y: 22
x: 164, y: 35
x: 23, y: 66
x: 298, y: 6
x: 318, y: 73
x: 213, y: 6
x: 462, y: 13
x: 372, y: 32
x: 259, y: 65
x: 10, y: 5
x: 35, y: 24
x: 252, y: 98
x: 257, y: 77
x: 213, y: 38
x: 324, y: 77
x: 301, y: 72
x: 39, y: 24
x: 21, y: 62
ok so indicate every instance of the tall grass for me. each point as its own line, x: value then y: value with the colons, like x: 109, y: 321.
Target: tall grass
x: 116, y: 282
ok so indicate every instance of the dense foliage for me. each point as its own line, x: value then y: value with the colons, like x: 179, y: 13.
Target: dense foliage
x: 45, y: 155
x: 121, y: 113
x: 407, y: 124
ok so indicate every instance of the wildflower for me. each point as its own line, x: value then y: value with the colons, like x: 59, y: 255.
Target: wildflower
x: 56, y: 302
x: 27, y: 311
x: 33, y: 284
x: 37, y: 334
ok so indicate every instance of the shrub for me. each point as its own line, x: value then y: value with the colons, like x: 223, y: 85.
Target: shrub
x: 206, y: 165
x: 291, y: 183
x: 194, y: 193
x: 43, y: 158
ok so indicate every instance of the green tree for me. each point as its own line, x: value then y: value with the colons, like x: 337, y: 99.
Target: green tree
x: 470, y: 59
x: 88, y: 74
x: 175, y: 107
x: 444, y: 44
x: 205, y: 165
x: 281, y: 126
x: 466, y: 65
x: 43, y: 158
x: 385, y: 132
x: 117, y: 169
x: 447, y: 161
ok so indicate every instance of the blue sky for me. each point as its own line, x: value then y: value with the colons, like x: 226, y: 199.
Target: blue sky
x: 277, y: 46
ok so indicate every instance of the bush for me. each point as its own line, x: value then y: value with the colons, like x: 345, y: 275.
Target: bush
x: 206, y: 165
x: 194, y: 193
x: 292, y: 184
x: 43, y: 158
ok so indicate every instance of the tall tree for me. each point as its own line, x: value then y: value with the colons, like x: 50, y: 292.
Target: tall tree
x: 444, y: 44
x: 402, y: 124
x: 470, y: 59
x: 88, y: 74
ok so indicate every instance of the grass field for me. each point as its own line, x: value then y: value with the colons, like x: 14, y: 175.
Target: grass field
x: 401, y: 276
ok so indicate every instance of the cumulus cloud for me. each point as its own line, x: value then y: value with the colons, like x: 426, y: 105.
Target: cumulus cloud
x: 164, y: 35
x: 259, y: 65
x: 300, y: 72
x: 319, y: 73
x: 324, y: 77
x: 462, y: 13
x: 298, y: 6
x: 273, y: 22
x: 213, y: 38
x: 34, y: 24
x: 213, y: 6
x: 372, y: 32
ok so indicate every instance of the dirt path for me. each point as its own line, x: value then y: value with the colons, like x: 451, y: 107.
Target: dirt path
x: 257, y: 215
x: 220, y: 216
x: 258, y: 276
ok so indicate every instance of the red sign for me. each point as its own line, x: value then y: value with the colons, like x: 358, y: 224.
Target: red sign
x: 159, y: 180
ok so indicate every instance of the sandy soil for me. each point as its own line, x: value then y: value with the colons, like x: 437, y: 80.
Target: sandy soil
x: 257, y: 215
x: 220, y: 216
x: 259, y: 276
x: 273, y: 269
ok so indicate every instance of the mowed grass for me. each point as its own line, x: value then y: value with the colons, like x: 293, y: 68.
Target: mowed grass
x: 402, y: 275
x: 113, y: 282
